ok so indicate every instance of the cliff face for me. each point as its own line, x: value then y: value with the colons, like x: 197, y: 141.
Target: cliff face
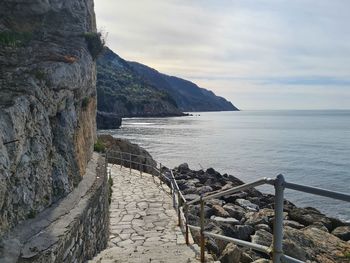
x: 188, y: 96
x: 122, y: 91
x: 47, y: 103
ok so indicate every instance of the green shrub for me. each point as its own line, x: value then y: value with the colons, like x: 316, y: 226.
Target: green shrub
x: 99, y: 146
x: 95, y: 43
x: 14, y: 39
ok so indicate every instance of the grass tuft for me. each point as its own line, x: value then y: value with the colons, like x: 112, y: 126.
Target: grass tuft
x: 95, y: 43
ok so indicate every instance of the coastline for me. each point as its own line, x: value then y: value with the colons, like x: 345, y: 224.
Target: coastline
x: 249, y: 216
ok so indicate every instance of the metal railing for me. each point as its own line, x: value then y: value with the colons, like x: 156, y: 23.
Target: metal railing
x: 182, y: 205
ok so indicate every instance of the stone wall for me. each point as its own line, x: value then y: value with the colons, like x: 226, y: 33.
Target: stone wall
x: 73, y: 230
x: 47, y: 103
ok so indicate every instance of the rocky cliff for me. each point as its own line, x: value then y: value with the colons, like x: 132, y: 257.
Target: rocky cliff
x: 47, y: 102
x: 122, y: 91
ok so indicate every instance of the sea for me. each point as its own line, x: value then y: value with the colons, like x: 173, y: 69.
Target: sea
x: 310, y: 147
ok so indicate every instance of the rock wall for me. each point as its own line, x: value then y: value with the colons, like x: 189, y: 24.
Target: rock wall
x: 73, y: 230
x: 47, y: 103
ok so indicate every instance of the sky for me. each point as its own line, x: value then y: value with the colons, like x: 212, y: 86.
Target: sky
x: 259, y: 54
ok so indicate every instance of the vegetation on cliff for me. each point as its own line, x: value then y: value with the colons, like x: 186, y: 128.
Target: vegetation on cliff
x: 122, y: 91
x: 188, y: 96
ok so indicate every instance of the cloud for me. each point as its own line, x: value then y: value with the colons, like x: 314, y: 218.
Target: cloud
x: 235, y: 46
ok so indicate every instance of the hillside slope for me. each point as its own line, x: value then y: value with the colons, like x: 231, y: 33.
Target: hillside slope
x: 188, y: 96
x: 121, y: 90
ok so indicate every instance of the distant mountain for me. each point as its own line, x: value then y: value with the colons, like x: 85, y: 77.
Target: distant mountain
x: 130, y: 89
x: 122, y: 91
x: 188, y: 96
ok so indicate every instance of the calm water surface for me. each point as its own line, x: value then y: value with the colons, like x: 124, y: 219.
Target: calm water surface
x: 308, y: 147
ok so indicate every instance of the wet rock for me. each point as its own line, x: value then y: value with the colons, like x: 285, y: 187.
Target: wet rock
x: 234, y: 211
x: 231, y: 254
x: 242, y: 232
x: 247, y: 204
x: 263, y: 216
x: 232, y: 198
x: 262, y: 237
x: 220, y: 211
x: 309, y: 216
x: 183, y: 168
x: 293, y: 224
x: 211, y: 171
x: 343, y: 232
x: 320, y: 226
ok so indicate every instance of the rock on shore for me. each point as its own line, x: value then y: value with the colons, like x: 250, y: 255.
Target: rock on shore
x: 138, y: 154
x: 309, y: 235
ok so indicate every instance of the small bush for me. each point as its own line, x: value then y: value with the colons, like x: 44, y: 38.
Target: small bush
x: 14, y: 39
x: 95, y: 43
x: 99, y: 146
x: 85, y: 102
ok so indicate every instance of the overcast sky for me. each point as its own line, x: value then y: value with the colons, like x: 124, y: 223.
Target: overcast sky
x: 268, y: 54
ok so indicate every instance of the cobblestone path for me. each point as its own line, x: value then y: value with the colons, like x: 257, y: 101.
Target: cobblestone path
x: 143, y: 223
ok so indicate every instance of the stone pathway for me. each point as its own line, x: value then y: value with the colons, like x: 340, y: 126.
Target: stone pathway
x: 143, y: 223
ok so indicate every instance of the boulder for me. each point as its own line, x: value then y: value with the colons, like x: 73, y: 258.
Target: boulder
x: 314, y: 244
x: 262, y: 237
x: 231, y: 254
x: 242, y: 232
x: 232, y: 198
x: 263, y: 216
x: 293, y: 224
x: 247, y: 204
x: 264, y: 227
x: 183, y: 168
x: 219, y: 211
x: 309, y: 216
x: 343, y: 232
x: 224, y: 220
x: 235, y: 211
x: 205, y: 189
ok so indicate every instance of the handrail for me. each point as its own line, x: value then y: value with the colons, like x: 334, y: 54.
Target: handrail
x: 232, y: 190
x: 279, y: 184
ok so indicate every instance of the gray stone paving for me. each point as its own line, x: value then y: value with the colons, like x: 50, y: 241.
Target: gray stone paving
x: 143, y: 223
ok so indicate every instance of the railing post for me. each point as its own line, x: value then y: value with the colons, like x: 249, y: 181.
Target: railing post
x: 202, y: 241
x: 278, y: 223
x: 160, y: 173
x: 106, y: 162
x: 130, y: 162
x: 121, y: 160
x: 178, y: 208
x: 186, y: 218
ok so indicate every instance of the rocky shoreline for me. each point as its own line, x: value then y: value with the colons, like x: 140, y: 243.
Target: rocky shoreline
x: 309, y: 235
